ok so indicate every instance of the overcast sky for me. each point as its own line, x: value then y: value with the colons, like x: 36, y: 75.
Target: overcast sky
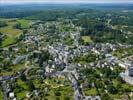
x: 65, y: 1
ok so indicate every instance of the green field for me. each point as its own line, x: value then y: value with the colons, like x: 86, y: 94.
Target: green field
x: 21, y: 93
x: 24, y: 23
x: 122, y: 53
x: 86, y: 39
x: 64, y: 91
x: 11, y: 69
x: 10, y: 33
x: 1, y: 94
x: 92, y: 92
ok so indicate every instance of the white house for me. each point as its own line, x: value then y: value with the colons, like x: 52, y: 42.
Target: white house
x: 11, y: 94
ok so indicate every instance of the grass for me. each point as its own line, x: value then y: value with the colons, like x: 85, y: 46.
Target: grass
x: 24, y: 23
x: 14, y: 68
x: 11, y: 33
x: 66, y: 90
x: 116, y: 96
x: 18, y: 67
x: 89, y: 92
x: 124, y: 86
x: 1, y: 94
x: 60, y: 98
x: 53, y: 82
x: 22, y: 84
x: 123, y: 52
x: 21, y: 93
x: 86, y: 39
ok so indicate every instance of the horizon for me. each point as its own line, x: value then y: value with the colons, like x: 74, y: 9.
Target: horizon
x: 66, y: 2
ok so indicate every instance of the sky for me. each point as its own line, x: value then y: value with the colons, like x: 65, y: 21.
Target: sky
x: 64, y: 1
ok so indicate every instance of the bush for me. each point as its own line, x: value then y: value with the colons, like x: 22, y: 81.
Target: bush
x: 66, y: 98
x: 57, y: 93
x: 57, y: 98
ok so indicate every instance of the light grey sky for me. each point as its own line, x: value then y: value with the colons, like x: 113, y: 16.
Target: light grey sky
x: 65, y: 1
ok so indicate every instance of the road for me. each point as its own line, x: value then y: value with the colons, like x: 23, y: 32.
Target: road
x: 4, y: 89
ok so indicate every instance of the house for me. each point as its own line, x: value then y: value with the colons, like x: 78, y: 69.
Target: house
x: 49, y: 69
x: 130, y: 71
x: 28, y: 95
x: 128, y: 75
x: 127, y: 78
x: 14, y: 99
x: 11, y: 94
x: 36, y: 92
x: 19, y: 59
x: 108, y: 55
x: 122, y: 65
x: 91, y: 98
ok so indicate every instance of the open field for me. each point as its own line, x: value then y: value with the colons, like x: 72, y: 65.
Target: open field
x: 1, y: 94
x: 61, y: 92
x: 10, y: 33
x: 86, y: 39
x: 24, y: 23
x: 11, y: 69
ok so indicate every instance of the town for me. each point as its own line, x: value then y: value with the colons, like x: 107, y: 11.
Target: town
x: 52, y: 60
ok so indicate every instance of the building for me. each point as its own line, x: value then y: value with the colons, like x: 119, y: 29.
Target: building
x: 11, y: 95
x: 130, y: 71
x: 128, y: 75
x: 91, y: 98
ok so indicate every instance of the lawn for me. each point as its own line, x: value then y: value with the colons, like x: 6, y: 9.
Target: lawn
x: 21, y: 90
x: 55, y: 83
x: 21, y: 95
x: 54, y: 86
x: 86, y: 39
x: 89, y: 92
x: 12, y: 69
x: 24, y: 23
x: 121, y: 53
x: 66, y: 91
x: 0, y: 94
x: 10, y: 32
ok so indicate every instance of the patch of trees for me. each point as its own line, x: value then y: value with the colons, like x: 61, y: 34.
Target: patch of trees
x: 68, y: 40
x: 122, y: 20
x: 17, y: 26
x: 30, y: 85
x: 44, y: 57
x: 85, y: 58
x: 105, y: 79
x: 99, y: 32
x: 3, y: 24
x: 1, y: 39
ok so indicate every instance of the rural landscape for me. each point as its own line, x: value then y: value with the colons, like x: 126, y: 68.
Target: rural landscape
x: 66, y: 52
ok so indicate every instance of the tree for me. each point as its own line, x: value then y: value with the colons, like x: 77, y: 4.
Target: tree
x: 108, y: 72
x: 111, y: 89
x: 57, y: 93
x: 3, y: 24
x: 25, y: 31
x: 119, y: 79
x: 57, y: 98
x: 105, y: 96
x: 66, y: 98
x: 1, y: 39
x: 119, y: 87
x: 31, y: 85
x: 45, y: 56
x: 23, y: 77
x: 17, y: 26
